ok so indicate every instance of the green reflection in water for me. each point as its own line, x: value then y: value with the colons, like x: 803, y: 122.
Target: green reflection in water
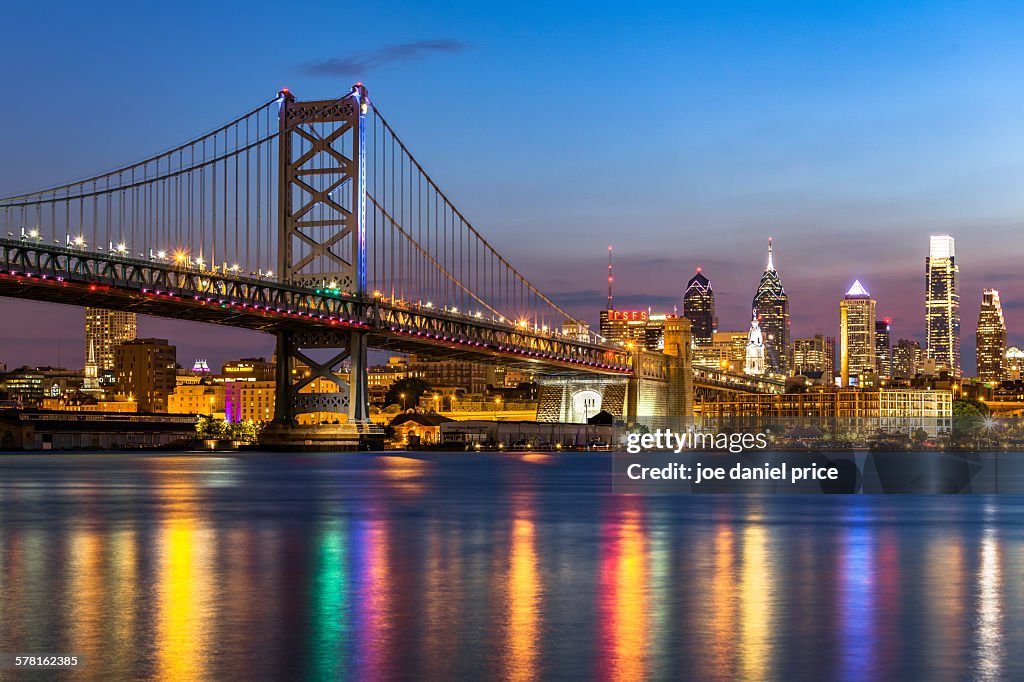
x: 330, y: 605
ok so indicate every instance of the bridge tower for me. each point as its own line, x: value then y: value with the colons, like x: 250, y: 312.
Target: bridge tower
x: 322, y: 245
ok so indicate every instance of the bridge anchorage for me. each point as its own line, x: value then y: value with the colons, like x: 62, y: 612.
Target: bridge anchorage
x: 308, y: 220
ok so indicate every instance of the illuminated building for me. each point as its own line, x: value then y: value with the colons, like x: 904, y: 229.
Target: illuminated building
x: 1013, y: 367
x: 771, y: 305
x: 856, y: 334
x: 813, y: 356
x: 883, y: 348
x: 249, y: 401
x: 248, y: 369
x: 380, y: 377
x: 105, y: 329
x: 699, y: 307
x: 624, y: 326
x: 991, y: 339
x: 906, y: 359
x: 145, y: 371
x: 754, y: 362
x: 654, y: 332
x: 727, y: 352
x: 867, y: 410
x: 206, y: 399
x: 471, y: 377
x: 577, y: 330
x: 942, y: 305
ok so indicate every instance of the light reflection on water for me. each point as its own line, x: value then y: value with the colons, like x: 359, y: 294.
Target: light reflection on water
x: 514, y: 567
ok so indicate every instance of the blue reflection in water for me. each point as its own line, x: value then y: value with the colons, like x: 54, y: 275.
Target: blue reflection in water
x: 857, y: 593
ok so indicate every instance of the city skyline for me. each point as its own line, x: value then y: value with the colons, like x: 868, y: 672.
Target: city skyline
x: 849, y: 134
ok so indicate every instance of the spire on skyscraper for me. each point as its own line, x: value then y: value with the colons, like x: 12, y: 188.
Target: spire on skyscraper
x: 610, y: 306
x: 771, y: 265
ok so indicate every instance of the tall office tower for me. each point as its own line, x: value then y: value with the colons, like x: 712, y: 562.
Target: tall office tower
x: 812, y: 356
x: 906, y: 359
x: 105, y: 329
x: 771, y: 306
x: 883, y: 348
x: 991, y: 338
x: 942, y: 305
x: 699, y: 308
x: 856, y: 333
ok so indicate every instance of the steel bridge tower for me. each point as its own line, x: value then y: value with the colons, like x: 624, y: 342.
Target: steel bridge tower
x: 322, y: 245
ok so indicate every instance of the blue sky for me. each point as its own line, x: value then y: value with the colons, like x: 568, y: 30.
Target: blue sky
x: 682, y: 133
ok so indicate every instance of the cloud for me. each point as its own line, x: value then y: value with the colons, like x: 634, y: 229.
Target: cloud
x: 360, y: 62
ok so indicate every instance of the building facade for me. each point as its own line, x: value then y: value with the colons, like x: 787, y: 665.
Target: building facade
x: 145, y: 372
x: 204, y: 399
x: 812, y: 356
x: 942, y: 305
x: 105, y: 329
x: 771, y: 305
x: 883, y: 348
x: 856, y: 334
x: 624, y: 326
x: 699, y: 308
x: 991, y: 338
x: 249, y: 401
x: 907, y: 357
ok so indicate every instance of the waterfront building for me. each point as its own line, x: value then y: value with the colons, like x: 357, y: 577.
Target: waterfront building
x: 105, y: 329
x: 206, y: 399
x: 865, y: 411
x: 145, y: 371
x: 249, y: 401
x: 771, y: 306
x: 856, y: 334
x: 942, y: 304
x: 699, y: 308
x: 883, y: 348
x: 991, y: 338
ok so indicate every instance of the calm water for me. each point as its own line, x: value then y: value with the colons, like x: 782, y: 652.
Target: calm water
x: 515, y: 567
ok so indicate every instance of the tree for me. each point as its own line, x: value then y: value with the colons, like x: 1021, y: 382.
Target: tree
x: 968, y: 416
x: 406, y: 392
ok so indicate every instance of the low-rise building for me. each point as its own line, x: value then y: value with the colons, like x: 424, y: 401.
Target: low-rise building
x: 204, y: 399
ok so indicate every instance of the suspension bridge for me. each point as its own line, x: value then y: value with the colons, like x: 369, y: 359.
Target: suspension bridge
x: 309, y: 220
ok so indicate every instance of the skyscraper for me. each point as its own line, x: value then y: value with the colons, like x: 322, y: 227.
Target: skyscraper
x: 991, y: 338
x: 699, y: 307
x: 105, y: 329
x: 942, y: 304
x: 883, y: 348
x: 856, y: 333
x: 771, y: 307
x: 812, y: 356
x: 906, y: 359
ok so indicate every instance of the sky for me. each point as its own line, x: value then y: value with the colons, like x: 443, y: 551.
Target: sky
x: 683, y: 134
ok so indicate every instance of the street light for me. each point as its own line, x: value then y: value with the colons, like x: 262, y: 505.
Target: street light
x: 402, y: 396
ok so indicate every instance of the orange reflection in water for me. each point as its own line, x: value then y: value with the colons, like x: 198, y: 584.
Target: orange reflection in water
x: 184, y: 595
x: 757, y: 600
x: 523, y: 593
x: 85, y: 587
x: 623, y: 597
x: 403, y: 474
x: 723, y: 605
x: 443, y: 602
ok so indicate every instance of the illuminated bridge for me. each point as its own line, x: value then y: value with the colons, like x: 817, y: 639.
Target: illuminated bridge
x: 309, y: 220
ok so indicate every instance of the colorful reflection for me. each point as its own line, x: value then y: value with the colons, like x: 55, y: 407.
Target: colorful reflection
x: 374, y: 620
x: 623, y: 594
x: 329, y: 608
x: 721, y: 659
x: 184, y: 581
x: 757, y: 601
x: 523, y: 596
x: 857, y: 601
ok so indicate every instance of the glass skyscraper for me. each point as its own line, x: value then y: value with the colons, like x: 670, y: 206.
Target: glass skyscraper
x: 942, y: 304
x: 856, y: 333
x: 105, y: 329
x: 883, y: 348
x: 699, y: 307
x: 771, y: 306
x: 991, y: 337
